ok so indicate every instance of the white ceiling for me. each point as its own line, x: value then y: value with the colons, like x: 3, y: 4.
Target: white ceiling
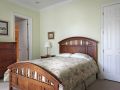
x: 37, y: 4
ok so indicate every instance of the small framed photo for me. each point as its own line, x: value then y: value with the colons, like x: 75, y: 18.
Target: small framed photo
x: 3, y: 27
x: 50, y: 35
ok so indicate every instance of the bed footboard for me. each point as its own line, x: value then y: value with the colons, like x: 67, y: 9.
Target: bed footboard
x: 28, y: 76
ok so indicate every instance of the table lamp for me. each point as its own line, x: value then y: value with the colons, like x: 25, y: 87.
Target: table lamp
x: 47, y: 45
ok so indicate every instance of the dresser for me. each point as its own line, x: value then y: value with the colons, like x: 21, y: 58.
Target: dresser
x: 7, y: 56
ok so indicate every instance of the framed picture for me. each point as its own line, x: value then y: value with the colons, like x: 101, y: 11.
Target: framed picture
x: 3, y: 27
x: 50, y: 35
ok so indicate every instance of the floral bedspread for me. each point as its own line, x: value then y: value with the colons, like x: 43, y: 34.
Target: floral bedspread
x: 70, y: 71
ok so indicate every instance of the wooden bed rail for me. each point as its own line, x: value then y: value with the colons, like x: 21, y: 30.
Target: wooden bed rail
x: 28, y: 76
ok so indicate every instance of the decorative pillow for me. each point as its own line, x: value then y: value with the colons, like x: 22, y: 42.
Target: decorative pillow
x: 64, y: 55
x: 81, y: 55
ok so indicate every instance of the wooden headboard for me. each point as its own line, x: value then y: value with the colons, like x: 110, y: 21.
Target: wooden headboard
x: 79, y: 45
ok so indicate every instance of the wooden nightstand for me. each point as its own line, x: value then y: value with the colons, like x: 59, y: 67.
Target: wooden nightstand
x: 47, y: 56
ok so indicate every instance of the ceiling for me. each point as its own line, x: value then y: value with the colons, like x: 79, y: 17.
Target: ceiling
x: 37, y: 4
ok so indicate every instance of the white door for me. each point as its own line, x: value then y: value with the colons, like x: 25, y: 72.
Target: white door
x: 111, y: 62
x: 23, y: 40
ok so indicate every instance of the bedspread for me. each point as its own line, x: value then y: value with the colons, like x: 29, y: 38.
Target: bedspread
x: 71, y: 71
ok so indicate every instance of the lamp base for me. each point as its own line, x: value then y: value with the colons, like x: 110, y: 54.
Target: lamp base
x: 48, y: 55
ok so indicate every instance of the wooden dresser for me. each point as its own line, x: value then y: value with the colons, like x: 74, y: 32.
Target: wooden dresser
x: 7, y: 55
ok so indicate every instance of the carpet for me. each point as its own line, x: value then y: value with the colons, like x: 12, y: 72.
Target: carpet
x: 97, y: 85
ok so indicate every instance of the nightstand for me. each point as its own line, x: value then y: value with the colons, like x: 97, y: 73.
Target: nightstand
x: 47, y: 56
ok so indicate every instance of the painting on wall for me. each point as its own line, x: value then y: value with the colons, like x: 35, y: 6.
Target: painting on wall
x: 3, y: 27
x: 50, y: 35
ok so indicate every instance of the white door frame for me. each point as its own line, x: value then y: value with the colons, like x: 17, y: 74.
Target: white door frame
x: 102, y: 35
x: 29, y: 30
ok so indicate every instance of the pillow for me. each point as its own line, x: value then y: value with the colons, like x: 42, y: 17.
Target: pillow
x: 81, y: 55
x: 64, y: 55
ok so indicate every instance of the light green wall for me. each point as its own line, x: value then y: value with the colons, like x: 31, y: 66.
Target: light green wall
x: 76, y: 18
x: 6, y: 11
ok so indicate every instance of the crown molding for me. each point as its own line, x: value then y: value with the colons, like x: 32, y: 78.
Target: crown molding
x: 56, y: 5
x: 38, y: 9
x: 24, y: 5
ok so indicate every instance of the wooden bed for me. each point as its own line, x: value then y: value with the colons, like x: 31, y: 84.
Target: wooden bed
x: 26, y: 81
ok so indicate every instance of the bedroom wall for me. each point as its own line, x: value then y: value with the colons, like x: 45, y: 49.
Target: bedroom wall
x: 6, y: 11
x: 75, y: 18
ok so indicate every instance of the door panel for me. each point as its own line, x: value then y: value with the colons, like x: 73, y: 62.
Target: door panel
x: 112, y: 42
x: 23, y: 40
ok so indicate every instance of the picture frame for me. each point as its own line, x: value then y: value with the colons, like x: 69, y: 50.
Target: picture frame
x: 50, y: 35
x: 3, y: 27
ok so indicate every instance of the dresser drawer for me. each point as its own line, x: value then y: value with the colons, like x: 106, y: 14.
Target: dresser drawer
x: 7, y: 56
x: 7, y: 45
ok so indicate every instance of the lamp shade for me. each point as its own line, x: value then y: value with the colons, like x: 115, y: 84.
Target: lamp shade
x: 47, y: 44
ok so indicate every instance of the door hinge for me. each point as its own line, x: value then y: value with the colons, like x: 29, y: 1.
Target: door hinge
x: 103, y: 32
x: 103, y: 13
x: 27, y: 23
x: 103, y: 69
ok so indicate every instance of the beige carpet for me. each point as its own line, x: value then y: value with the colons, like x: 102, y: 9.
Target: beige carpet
x: 104, y: 85
x: 98, y: 85
x: 4, y: 85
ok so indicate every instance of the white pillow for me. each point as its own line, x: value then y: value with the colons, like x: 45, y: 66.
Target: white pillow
x: 64, y: 55
x: 81, y: 55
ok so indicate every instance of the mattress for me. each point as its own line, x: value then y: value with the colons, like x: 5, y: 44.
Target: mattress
x: 70, y: 71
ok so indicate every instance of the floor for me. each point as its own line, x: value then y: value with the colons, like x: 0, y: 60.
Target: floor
x: 98, y: 85
x: 4, y: 85
x: 104, y: 85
